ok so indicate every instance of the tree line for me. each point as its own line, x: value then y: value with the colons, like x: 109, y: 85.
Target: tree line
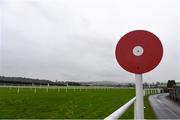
x: 30, y: 81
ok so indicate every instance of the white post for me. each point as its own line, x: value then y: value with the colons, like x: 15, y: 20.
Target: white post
x: 139, y: 97
x: 135, y: 110
x: 47, y: 87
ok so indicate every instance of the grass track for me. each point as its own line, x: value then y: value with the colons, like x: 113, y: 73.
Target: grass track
x: 90, y: 104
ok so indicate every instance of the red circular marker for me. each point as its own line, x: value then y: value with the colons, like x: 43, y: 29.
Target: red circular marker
x: 139, y: 51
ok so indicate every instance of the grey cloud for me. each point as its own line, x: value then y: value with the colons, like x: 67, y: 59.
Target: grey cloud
x: 75, y: 40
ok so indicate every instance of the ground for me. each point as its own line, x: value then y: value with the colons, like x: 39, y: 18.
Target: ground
x: 92, y: 103
x: 164, y: 107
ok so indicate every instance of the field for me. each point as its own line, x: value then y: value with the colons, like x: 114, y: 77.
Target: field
x: 91, y: 103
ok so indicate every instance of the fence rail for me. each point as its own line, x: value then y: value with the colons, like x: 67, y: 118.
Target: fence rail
x: 119, y: 112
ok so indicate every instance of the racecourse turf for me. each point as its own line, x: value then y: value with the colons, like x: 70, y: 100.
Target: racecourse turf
x: 71, y: 103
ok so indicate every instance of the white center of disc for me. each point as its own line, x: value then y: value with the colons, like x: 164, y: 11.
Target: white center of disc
x: 138, y: 50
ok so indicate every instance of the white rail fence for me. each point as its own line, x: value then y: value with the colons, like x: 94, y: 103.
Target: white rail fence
x: 153, y: 91
x: 119, y: 112
x: 36, y: 88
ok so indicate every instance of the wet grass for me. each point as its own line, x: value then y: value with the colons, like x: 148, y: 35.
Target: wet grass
x: 73, y: 104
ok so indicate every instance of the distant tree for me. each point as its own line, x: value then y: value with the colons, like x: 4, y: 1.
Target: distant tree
x: 145, y: 84
x: 171, y: 84
x: 157, y: 83
x: 168, y: 84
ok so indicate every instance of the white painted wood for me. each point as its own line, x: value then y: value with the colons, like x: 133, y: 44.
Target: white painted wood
x: 117, y: 114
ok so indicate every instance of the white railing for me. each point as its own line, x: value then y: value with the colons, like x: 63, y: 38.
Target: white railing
x: 119, y: 112
x: 150, y: 91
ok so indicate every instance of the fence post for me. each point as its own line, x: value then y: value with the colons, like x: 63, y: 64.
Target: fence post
x: 47, y: 87
x: 135, y: 117
x: 159, y: 91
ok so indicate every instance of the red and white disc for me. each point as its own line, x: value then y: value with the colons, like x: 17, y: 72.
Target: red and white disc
x: 139, y: 51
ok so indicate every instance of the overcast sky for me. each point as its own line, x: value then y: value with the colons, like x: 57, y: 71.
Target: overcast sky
x: 75, y: 39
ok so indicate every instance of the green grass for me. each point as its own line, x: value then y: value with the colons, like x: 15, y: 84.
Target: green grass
x: 78, y: 104
x: 90, y: 104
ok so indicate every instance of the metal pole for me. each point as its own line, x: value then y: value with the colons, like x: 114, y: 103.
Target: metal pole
x: 135, y: 110
x: 139, y: 97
